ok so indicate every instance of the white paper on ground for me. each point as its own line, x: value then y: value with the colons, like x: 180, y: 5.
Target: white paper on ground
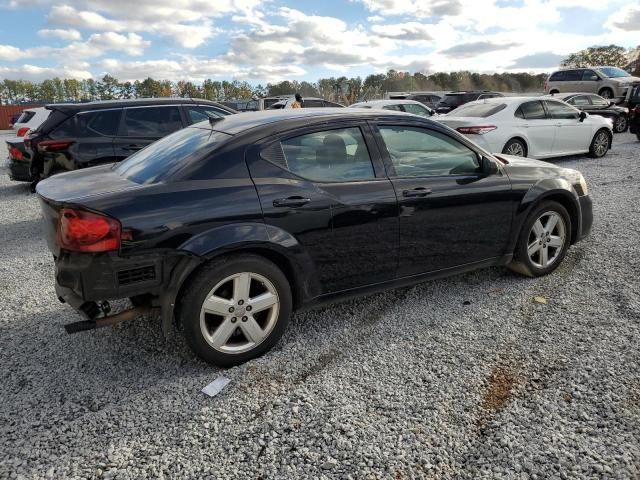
x: 216, y: 386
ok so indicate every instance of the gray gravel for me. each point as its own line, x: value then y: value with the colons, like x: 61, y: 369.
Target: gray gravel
x: 461, y: 378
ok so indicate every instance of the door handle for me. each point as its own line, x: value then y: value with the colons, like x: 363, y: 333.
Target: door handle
x: 416, y: 192
x: 292, y: 202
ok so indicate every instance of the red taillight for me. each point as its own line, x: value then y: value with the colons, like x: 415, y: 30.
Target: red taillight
x: 15, y: 154
x: 477, y: 130
x: 54, y: 145
x: 22, y: 131
x: 83, y: 231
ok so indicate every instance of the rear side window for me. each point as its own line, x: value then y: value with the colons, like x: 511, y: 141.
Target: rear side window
x: 480, y: 110
x: 599, y: 101
x: 557, y: 77
x: 579, y: 100
x: 330, y: 156
x: 152, y: 121
x: 171, y: 156
x: 531, y: 111
x: 312, y: 103
x: 573, y: 75
x: 89, y: 124
x: 396, y: 108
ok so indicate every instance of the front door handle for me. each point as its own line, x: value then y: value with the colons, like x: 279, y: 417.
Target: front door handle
x: 416, y: 192
x: 292, y: 202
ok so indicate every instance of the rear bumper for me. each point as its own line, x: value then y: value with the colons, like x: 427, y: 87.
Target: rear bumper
x: 586, y: 214
x: 19, y: 170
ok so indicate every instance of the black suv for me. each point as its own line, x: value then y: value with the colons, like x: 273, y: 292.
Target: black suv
x: 453, y: 100
x: 81, y: 135
x: 632, y: 101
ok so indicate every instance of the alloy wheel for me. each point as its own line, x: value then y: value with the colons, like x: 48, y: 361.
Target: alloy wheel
x: 239, y: 313
x: 621, y: 124
x: 601, y: 144
x: 546, y: 239
x: 515, y: 149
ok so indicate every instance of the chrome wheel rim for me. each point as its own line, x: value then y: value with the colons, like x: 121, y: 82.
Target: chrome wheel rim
x: 601, y: 144
x: 621, y: 124
x: 606, y: 94
x: 546, y: 239
x: 239, y: 313
x: 515, y: 149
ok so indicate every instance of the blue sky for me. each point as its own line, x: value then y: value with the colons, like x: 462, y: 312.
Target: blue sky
x: 270, y: 40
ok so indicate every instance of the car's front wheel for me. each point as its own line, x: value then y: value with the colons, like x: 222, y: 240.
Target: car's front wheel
x: 235, y: 309
x: 606, y: 93
x: 543, y: 241
x: 515, y: 147
x: 600, y: 144
x: 621, y: 124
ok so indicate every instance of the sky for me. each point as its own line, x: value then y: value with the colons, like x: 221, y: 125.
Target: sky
x: 271, y: 40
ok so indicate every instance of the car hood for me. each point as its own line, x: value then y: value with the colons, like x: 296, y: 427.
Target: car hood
x: 529, y: 168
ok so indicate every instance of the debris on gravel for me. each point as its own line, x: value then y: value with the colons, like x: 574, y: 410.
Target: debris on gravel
x: 461, y: 378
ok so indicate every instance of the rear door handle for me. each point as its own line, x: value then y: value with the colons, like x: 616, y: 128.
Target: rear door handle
x: 416, y: 192
x: 291, y: 202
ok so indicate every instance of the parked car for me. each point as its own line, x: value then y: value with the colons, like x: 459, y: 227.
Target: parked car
x: 533, y: 127
x: 30, y: 119
x: 229, y: 227
x: 244, y: 105
x: 78, y: 135
x: 429, y: 99
x: 453, y: 100
x: 409, y: 106
x: 608, y: 82
x: 596, y: 105
x: 19, y: 160
x: 632, y: 101
x: 307, y: 102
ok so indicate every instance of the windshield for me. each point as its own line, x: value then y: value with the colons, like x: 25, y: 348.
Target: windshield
x: 480, y: 110
x: 170, y: 155
x: 613, y: 72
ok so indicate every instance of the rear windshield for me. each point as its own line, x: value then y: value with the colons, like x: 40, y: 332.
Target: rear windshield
x: 170, y: 156
x: 457, y: 99
x: 480, y: 110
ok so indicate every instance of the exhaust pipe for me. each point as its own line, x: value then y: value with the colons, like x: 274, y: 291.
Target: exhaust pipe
x: 107, y: 321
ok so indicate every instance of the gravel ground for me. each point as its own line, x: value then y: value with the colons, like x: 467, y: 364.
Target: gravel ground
x: 460, y: 378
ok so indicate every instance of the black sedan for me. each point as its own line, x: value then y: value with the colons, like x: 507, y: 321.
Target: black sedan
x: 230, y: 225
x: 596, y: 105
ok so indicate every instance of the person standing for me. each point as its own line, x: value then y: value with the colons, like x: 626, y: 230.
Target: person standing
x: 297, y: 103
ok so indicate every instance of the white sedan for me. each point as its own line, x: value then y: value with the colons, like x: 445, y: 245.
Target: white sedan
x: 531, y: 127
x: 400, y: 105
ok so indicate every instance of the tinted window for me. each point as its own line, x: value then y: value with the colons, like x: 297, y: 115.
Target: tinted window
x: 25, y: 116
x: 312, y: 103
x: 267, y: 102
x: 479, y: 110
x: 587, y: 74
x: 417, y: 152
x: 170, y: 156
x: 573, y: 75
x: 599, y: 101
x: 451, y: 100
x: 89, y: 124
x: 579, y: 100
x: 614, y: 72
x: 532, y: 111
x: 152, y: 121
x: 397, y: 108
x: 416, y: 109
x: 200, y: 113
x: 105, y: 122
x: 560, y: 111
x: 557, y: 77
x: 329, y: 156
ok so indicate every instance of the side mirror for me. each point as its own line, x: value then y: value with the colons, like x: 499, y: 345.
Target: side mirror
x: 488, y: 166
x: 583, y: 115
x: 594, y: 78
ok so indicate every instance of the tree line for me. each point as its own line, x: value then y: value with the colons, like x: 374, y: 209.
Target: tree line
x: 343, y: 89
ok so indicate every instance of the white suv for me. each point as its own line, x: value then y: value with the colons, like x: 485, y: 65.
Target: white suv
x: 608, y: 82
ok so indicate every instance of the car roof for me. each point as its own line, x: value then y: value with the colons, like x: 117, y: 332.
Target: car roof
x: 234, y: 124
x: 134, y: 102
x: 391, y: 101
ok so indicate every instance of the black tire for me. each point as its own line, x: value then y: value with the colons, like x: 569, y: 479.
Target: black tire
x: 553, y: 92
x: 141, y: 300
x: 197, y: 290
x: 517, y: 145
x: 638, y: 136
x: 522, y: 263
x: 621, y: 124
x: 595, y: 150
x: 606, y: 93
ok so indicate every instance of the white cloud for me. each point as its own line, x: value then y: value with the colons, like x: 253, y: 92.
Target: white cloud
x: 64, y: 34
x: 626, y: 19
x: 410, y: 31
x: 414, y: 8
x: 36, y: 73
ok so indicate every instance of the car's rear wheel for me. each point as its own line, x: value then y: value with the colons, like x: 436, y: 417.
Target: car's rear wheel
x: 621, y: 124
x: 515, y: 147
x: 235, y: 309
x: 600, y: 144
x: 606, y: 93
x: 543, y: 241
x: 553, y: 92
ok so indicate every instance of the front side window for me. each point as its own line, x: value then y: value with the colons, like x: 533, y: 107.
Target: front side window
x: 200, y: 113
x: 587, y: 75
x: 418, y: 152
x: 152, y: 121
x: 417, y: 109
x: 532, y: 111
x: 560, y: 111
x: 579, y: 100
x: 330, y: 156
x: 395, y: 107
